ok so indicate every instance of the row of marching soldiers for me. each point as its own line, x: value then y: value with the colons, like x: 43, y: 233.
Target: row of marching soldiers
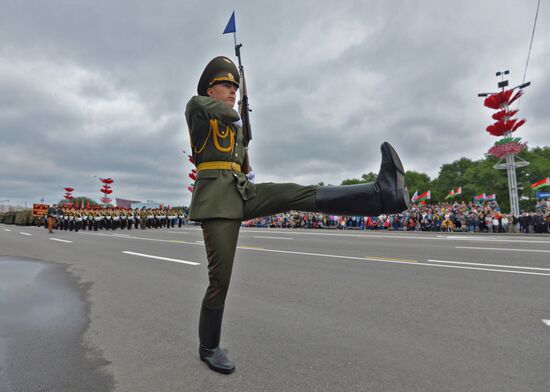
x: 75, y: 219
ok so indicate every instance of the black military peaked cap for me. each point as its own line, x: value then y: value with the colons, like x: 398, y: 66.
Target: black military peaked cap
x: 219, y: 69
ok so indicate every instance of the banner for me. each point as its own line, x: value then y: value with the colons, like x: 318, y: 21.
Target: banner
x: 542, y: 195
x: 39, y: 209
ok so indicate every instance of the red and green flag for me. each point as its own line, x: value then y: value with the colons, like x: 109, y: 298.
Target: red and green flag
x: 458, y: 191
x: 492, y: 197
x: 450, y: 195
x: 480, y: 197
x: 423, y: 197
x: 541, y: 183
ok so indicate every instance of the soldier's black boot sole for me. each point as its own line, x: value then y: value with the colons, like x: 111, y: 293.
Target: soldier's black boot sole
x: 391, y: 180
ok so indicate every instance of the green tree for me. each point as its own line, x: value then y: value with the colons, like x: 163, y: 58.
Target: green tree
x: 416, y: 181
x: 451, y: 176
x: 369, y: 177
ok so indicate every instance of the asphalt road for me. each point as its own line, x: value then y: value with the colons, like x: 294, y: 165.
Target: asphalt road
x: 307, y: 310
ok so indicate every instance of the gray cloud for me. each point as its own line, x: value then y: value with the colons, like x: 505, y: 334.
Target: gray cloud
x: 99, y: 89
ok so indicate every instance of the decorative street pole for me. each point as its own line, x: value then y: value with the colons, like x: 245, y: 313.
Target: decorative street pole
x: 508, y: 147
x: 106, y: 190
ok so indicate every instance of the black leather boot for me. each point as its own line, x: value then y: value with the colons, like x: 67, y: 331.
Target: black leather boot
x: 387, y: 195
x: 210, y: 326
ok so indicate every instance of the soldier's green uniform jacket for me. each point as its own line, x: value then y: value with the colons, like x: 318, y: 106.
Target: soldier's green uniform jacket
x: 218, y: 193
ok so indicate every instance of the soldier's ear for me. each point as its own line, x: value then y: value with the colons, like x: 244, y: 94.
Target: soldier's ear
x: 210, y: 92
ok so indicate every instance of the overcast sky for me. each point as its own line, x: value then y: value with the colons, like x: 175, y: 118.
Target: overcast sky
x: 99, y: 88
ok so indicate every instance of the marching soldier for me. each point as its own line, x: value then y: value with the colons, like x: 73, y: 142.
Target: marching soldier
x: 66, y: 216
x: 143, y: 218
x: 97, y: 220
x: 223, y: 196
x: 180, y: 218
x: 122, y: 221
x: 116, y: 220
x: 77, y: 220
x: 109, y: 219
x: 52, y: 215
x: 129, y: 218
x: 137, y: 218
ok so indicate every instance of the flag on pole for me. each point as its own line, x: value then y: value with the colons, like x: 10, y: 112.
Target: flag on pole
x: 492, y: 197
x: 424, y: 196
x: 480, y: 197
x: 450, y: 195
x: 415, y: 196
x: 541, y: 183
x: 458, y: 191
x: 231, y: 27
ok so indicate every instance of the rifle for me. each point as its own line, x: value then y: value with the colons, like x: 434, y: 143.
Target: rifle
x: 244, y: 110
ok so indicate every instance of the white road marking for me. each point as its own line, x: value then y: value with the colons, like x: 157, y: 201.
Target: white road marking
x: 339, y: 256
x: 404, y: 236
x: 273, y: 238
x: 22, y: 232
x: 504, y: 249
x: 393, y: 261
x: 7, y: 230
x: 547, y: 322
x: 200, y: 242
x: 141, y: 238
x: 161, y: 258
x: 489, y: 265
x: 120, y: 235
x: 60, y: 240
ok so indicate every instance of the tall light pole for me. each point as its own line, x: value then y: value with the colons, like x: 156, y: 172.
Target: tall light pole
x: 511, y: 164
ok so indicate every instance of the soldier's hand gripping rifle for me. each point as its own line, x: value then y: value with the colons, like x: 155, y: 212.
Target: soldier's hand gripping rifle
x: 244, y: 111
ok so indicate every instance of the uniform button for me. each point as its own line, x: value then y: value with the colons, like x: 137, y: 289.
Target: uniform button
x: 236, y: 154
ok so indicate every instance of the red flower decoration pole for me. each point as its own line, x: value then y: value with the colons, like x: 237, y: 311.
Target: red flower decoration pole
x: 508, y: 147
x: 106, y: 189
x: 68, y: 193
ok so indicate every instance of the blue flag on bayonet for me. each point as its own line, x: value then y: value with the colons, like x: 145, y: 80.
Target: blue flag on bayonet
x: 231, y: 27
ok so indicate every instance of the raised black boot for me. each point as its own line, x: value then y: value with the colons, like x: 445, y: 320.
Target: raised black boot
x: 387, y: 195
x: 210, y: 326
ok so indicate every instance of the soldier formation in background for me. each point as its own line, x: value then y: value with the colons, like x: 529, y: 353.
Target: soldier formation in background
x: 94, y: 219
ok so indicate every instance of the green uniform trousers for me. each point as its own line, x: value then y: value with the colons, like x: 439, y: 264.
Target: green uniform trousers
x: 221, y: 235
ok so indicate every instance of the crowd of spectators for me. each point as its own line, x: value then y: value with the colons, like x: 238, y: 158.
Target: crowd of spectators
x: 459, y: 216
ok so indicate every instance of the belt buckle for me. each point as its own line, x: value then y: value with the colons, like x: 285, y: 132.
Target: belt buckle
x: 234, y: 166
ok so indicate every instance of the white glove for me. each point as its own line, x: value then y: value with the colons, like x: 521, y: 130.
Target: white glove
x: 251, y: 176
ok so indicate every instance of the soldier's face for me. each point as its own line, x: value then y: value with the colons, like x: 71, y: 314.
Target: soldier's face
x: 225, y: 92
